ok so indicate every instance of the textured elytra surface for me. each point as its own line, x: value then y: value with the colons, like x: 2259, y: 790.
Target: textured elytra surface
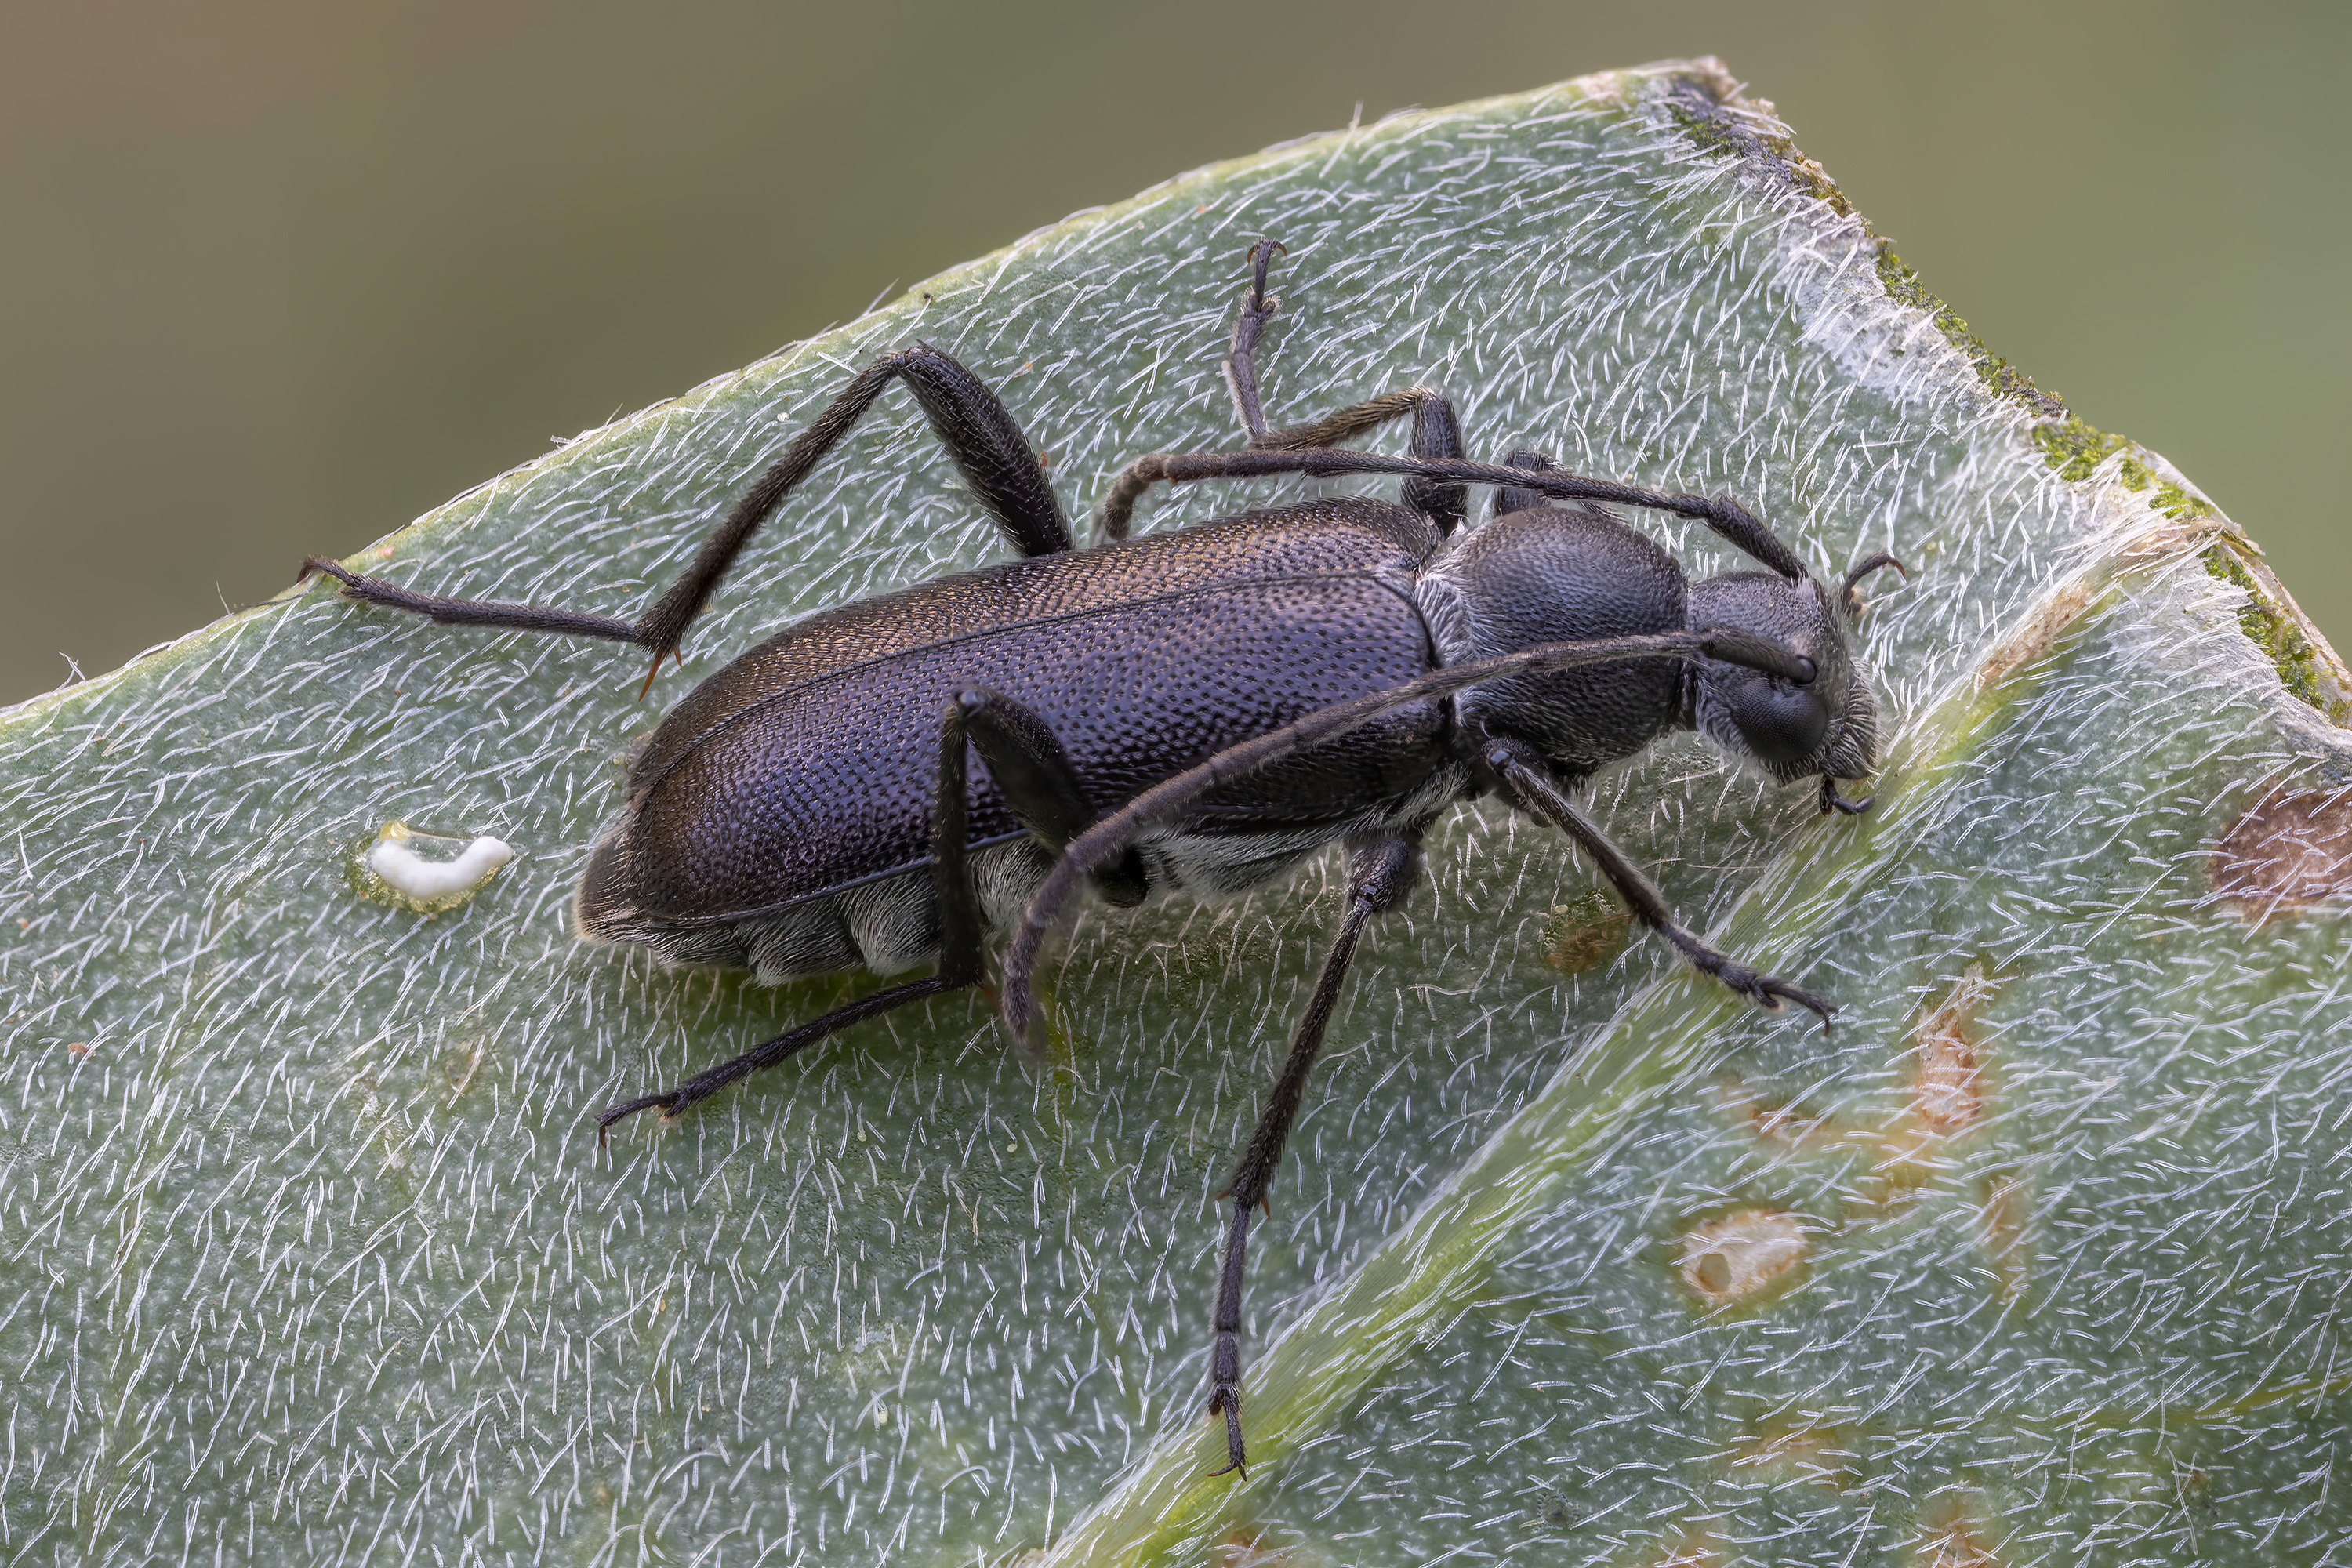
x: 307, y: 1252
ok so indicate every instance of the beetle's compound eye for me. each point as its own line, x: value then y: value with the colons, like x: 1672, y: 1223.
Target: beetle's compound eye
x: 1780, y: 722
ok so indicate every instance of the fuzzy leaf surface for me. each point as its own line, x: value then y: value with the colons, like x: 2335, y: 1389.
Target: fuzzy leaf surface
x: 309, y: 1252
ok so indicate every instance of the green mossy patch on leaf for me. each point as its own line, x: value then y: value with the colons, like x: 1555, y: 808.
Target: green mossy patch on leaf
x: 2267, y: 626
x: 2178, y: 504
x: 1747, y: 133
x: 2076, y: 448
x: 2002, y: 378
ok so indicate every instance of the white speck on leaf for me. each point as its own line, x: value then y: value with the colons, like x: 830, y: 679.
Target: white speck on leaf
x: 430, y: 884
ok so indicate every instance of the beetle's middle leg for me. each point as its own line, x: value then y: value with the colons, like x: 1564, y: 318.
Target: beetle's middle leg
x: 1382, y: 874
x: 1033, y: 773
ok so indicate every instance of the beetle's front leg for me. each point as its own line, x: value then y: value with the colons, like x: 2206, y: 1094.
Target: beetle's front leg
x: 1524, y: 770
x: 1832, y: 801
x: 1383, y: 872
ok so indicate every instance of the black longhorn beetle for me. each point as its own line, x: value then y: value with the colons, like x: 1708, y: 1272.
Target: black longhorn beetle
x: 1197, y: 709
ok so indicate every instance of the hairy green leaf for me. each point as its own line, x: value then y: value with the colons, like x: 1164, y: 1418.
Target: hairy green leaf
x: 309, y: 1252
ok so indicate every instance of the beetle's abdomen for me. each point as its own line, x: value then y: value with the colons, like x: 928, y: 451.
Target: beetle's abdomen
x: 800, y: 816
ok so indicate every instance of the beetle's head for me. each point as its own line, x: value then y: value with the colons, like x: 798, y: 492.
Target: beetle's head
x: 1829, y: 727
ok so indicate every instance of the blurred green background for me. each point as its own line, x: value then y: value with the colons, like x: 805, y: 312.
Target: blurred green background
x: 279, y: 277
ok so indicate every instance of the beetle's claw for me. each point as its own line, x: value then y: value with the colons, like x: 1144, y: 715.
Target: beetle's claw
x: 1261, y: 257
x: 1769, y: 990
x: 354, y: 588
x: 1864, y: 568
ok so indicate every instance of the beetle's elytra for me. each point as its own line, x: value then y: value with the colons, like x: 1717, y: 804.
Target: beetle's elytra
x: 1198, y: 708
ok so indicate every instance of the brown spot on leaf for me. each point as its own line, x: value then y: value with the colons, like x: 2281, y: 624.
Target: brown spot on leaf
x: 1945, y: 1093
x: 2004, y: 1211
x: 2287, y: 853
x: 1955, y: 1531
x: 1769, y: 1119
x: 82, y: 1048
x: 1944, y: 1084
x: 1797, y: 1449
x: 1741, y: 1255
x: 1586, y: 932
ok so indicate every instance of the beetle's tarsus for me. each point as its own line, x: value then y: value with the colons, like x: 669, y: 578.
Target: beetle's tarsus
x: 611, y: 1113
x: 1770, y: 989
x: 354, y: 587
x: 1249, y: 324
x: 1016, y: 1007
x: 1863, y: 568
x: 1227, y: 1400
x: 1767, y: 991
x: 1261, y: 257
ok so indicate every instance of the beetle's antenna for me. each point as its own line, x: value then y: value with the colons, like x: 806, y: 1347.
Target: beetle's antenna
x: 1730, y: 519
x: 1108, y: 839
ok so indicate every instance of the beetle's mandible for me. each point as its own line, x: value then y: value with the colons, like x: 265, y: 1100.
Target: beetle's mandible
x: 1197, y: 709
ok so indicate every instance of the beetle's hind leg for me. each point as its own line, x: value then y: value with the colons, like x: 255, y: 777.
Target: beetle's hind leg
x: 1522, y: 770
x: 1382, y: 874
x: 961, y: 962
x: 675, y: 1102
x: 987, y: 445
